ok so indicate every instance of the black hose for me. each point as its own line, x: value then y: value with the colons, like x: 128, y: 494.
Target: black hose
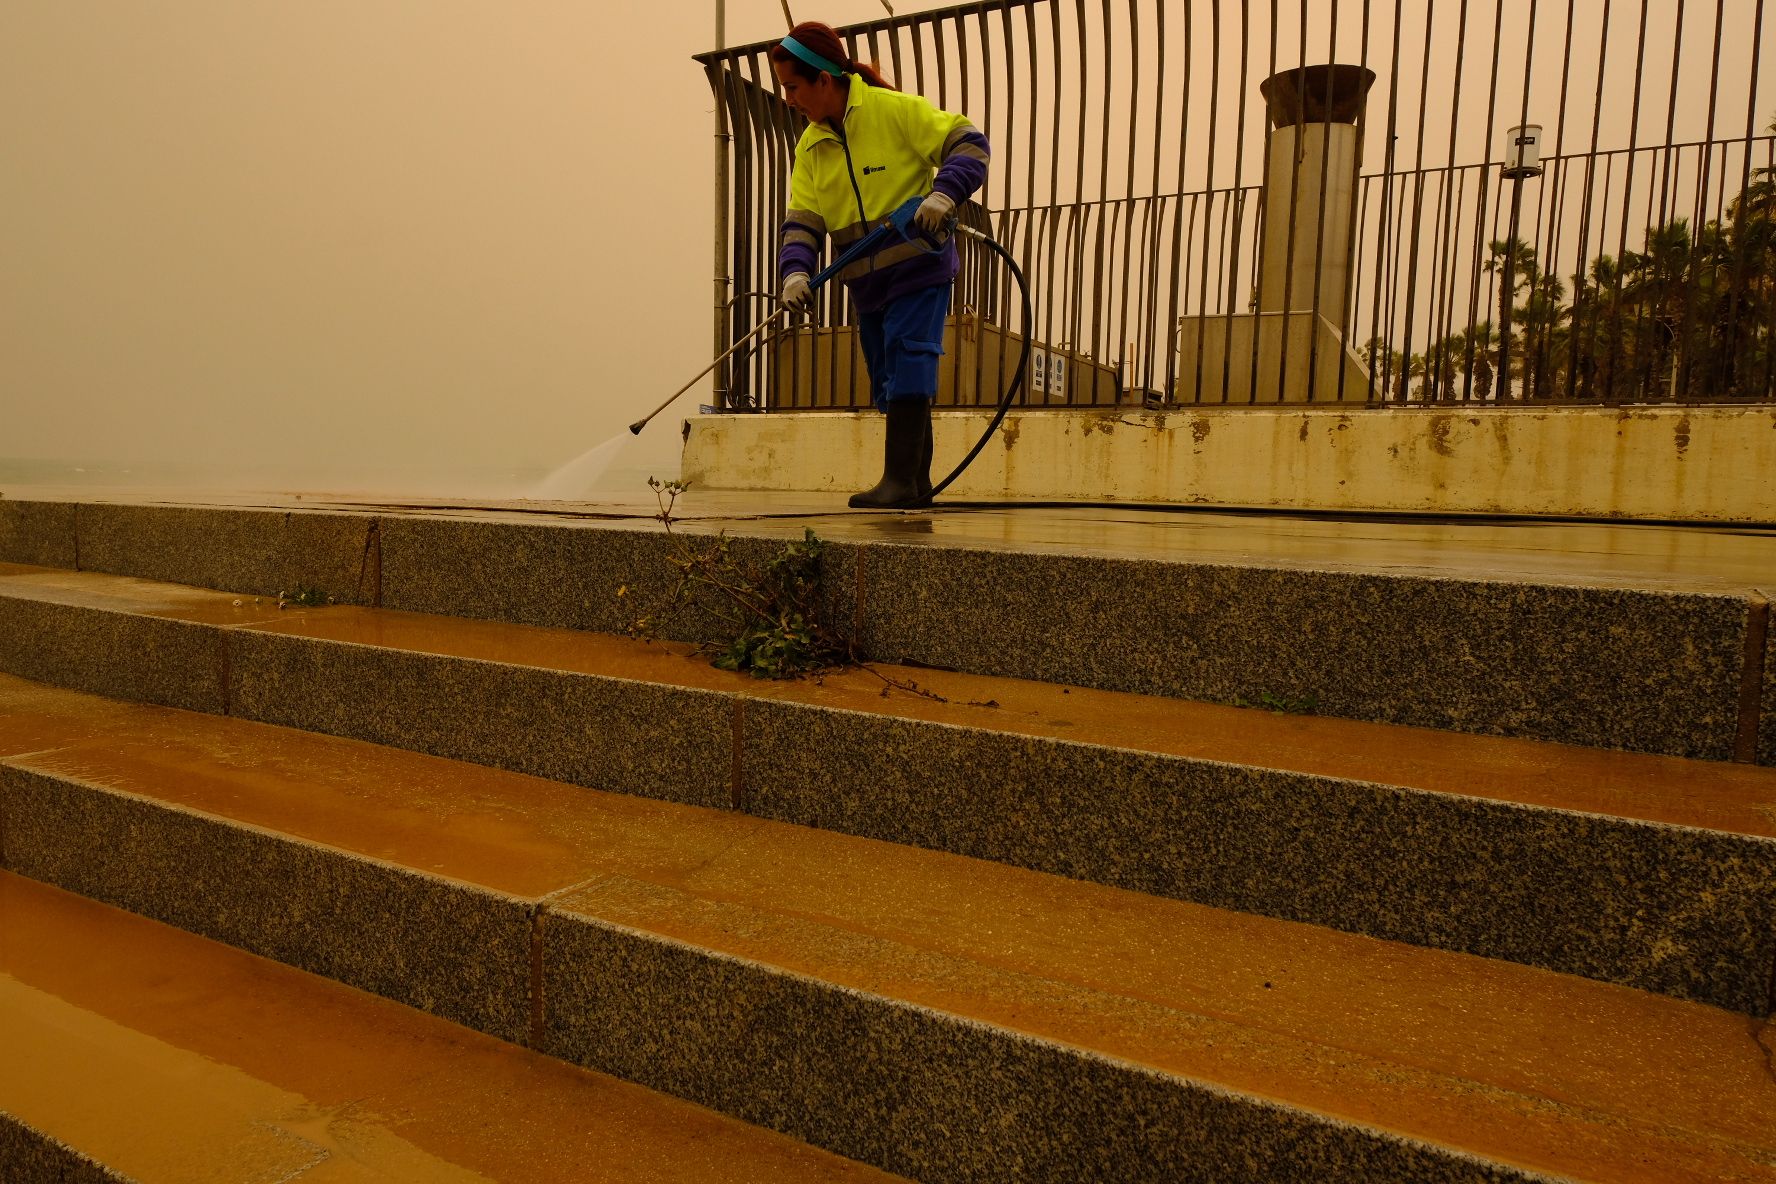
x: 1017, y: 380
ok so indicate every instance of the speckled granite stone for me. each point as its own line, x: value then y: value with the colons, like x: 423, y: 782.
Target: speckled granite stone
x: 126, y: 656
x: 566, y: 576
x: 607, y: 733
x: 927, y: 1094
x: 31, y: 1157
x: 40, y: 533
x: 262, y: 552
x: 449, y: 948
x: 1685, y: 912
x: 1617, y: 668
x: 1767, y: 717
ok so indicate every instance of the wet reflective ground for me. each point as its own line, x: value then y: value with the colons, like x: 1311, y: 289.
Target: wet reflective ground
x: 1690, y: 558
x: 171, y: 1058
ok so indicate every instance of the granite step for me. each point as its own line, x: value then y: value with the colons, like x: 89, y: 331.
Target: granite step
x: 139, y: 1052
x: 936, y: 1016
x: 1649, y: 871
x: 1469, y: 628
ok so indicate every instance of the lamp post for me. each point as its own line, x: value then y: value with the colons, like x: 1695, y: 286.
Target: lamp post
x: 1522, y: 159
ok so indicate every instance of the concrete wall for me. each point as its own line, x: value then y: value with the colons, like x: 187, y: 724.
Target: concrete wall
x: 1698, y: 463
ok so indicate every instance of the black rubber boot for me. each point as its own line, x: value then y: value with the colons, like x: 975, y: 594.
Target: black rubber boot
x: 898, y: 489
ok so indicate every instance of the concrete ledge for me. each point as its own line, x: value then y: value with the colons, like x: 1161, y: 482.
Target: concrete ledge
x: 32, y: 1157
x: 1681, y: 911
x: 1608, y: 667
x: 448, y: 948
x: 40, y: 533
x: 1601, y: 665
x: 563, y: 576
x: 1704, y: 464
x: 1766, y: 751
x: 673, y: 743
x: 262, y: 552
x: 1668, y: 908
x: 920, y: 1092
x: 944, y: 1016
x: 126, y: 655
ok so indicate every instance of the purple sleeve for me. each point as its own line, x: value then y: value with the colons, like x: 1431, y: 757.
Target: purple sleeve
x: 964, y: 167
x: 798, y: 252
x: 801, y: 247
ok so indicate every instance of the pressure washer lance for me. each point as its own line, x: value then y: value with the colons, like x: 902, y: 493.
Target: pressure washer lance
x: 898, y: 225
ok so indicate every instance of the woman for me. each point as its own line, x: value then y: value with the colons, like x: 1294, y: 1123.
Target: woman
x: 866, y: 150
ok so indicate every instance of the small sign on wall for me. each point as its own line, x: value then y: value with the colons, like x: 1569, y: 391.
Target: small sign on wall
x: 1048, y: 375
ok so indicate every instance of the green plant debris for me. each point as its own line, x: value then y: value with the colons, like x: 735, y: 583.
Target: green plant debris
x: 768, y: 609
x: 304, y: 597
x: 1281, y: 704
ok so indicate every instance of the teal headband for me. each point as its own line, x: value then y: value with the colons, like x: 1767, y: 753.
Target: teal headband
x: 813, y: 59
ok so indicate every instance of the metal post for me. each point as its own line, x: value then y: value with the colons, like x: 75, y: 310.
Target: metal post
x: 722, y: 279
x: 1508, y: 291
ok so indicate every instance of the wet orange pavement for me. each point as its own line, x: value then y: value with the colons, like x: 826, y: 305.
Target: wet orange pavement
x: 172, y: 1058
x: 1551, y: 1069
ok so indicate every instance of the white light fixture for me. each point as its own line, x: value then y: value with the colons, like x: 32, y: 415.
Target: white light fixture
x: 1523, y: 152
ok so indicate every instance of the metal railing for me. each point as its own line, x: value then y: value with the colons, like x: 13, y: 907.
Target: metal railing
x: 1181, y: 249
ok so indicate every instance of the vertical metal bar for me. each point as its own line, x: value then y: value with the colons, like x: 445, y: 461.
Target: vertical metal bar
x: 717, y: 72
x: 1313, y: 321
x: 1075, y: 284
x: 1769, y: 345
x: 1385, y: 330
x: 1051, y: 212
x: 1359, y: 231
x: 1178, y: 237
x: 1557, y: 186
x: 1512, y: 238
x: 1011, y: 105
x: 986, y: 259
x: 1030, y: 258
x: 1610, y: 380
x: 1424, y: 87
x: 1450, y: 204
x: 1231, y: 269
x: 1097, y: 325
x: 1300, y: 153
x: 1706, y: 172
x: 1481, y: 239
x: 1295, y: 156
x: 918, y: 24
x: 1587, y: 333
x: 1665, y: 180
x: 1739, y: 279
x: 1353, y: 253
x: 747, y: 212
x: 1134, y: 276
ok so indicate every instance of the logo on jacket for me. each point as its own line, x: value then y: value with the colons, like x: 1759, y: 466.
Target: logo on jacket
x: 874, y: 168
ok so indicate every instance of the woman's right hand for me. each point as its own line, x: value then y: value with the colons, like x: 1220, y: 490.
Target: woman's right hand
x: 798, y: 295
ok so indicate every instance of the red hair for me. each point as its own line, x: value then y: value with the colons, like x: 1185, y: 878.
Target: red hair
x: 824, y: 41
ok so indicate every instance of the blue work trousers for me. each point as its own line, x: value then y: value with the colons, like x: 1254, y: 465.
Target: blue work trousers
x: 902, y: 344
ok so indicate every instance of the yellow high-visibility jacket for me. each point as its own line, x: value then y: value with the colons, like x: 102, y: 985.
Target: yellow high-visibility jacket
x: 892, y: 146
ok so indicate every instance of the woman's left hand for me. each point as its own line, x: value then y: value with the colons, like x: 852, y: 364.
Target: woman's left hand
x: 933, y: 212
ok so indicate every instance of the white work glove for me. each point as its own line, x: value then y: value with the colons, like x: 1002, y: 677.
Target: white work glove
x: 798, y: 296
x: 933, y: 212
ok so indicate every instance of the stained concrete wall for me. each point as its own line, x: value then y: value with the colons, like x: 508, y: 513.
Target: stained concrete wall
x: 1696, y: 464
